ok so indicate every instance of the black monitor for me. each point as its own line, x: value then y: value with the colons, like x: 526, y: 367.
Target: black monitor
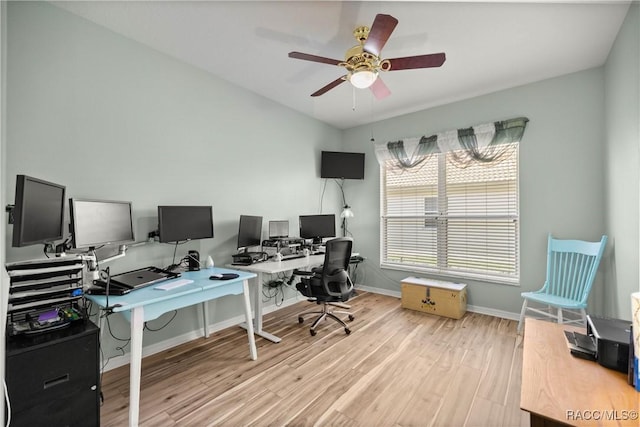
x: 38, y: 212
x: 343, y: 165
x: 249, y: 232
x: 182, y: 223
x: 96, y: 223
x: 317, y: 227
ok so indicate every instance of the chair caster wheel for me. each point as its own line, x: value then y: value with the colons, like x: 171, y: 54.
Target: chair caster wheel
x: 347, y: 331
x: 312, y: 332
x: 300, y: 319
x: 351, y: 317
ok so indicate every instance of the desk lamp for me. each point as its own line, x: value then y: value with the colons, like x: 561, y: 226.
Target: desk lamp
x: 346, y: 213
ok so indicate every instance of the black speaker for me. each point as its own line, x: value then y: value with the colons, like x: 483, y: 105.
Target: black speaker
x: 194, y: 260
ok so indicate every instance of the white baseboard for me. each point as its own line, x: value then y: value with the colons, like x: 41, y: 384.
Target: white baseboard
x: 117, y: 361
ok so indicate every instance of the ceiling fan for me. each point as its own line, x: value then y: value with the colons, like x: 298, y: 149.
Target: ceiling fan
x: 363, y: 62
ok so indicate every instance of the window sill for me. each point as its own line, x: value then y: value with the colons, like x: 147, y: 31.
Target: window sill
x: 500, y: 280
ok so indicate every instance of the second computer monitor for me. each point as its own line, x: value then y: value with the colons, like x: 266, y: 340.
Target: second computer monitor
x: 278, y: 229
x: 95, y: 223
x: 182, y: 223
x: 317, y: 227
x: 249, y: 232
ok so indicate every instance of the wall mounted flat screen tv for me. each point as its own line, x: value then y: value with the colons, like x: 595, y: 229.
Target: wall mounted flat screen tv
x: 38, y: 212
x: 342, y: 165
x: 96, y: 223
x: 182, y: 223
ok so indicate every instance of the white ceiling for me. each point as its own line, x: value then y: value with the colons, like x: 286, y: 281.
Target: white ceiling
x: 489, y: 46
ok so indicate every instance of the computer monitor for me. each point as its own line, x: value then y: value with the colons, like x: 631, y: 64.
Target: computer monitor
x: 182, y: 223
x: 249, y: 232
x: 38, y: 212
x: 278, y: 229
x: 96, y: 223
x: 317, y: 227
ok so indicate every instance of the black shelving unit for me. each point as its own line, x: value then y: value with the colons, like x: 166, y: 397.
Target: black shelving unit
x: 44, y: 295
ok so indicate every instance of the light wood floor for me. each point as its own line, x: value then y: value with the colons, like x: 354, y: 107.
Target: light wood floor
x: 397, y: 368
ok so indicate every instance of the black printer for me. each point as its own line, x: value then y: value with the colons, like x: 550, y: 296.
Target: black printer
x: 611, y: 338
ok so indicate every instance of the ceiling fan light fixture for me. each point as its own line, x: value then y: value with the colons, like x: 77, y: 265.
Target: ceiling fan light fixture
x: 363, y: 79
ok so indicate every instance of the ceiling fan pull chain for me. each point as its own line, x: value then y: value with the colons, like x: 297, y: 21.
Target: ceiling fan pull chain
x: 353, y: 105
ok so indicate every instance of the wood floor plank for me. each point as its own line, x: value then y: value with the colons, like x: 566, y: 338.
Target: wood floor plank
x: 397, y: 368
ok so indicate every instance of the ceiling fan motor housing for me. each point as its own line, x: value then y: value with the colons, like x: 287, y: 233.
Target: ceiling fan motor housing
x: 357, y: 59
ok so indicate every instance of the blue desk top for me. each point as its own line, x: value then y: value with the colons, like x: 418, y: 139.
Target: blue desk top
x: 201, y: 289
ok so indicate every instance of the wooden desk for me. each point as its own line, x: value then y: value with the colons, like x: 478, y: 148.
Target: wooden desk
x: 149, y: 303
x: 560, y: 389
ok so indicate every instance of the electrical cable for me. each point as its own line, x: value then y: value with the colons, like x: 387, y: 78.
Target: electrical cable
x: 324, y: 188
x: 125, y: 340
x: 340, y: 184
x: 379, y: 272
x: 6, y: 398
x: 146, y: 326
x: 173, y: 261
x: 107, y: 278
x: 273, y: 292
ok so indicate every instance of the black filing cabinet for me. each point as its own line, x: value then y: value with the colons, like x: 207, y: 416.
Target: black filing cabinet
x: 53, y: 378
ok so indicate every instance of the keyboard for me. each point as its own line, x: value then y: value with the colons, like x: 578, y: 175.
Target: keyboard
x: 288, y: 257
x: 173, y: 284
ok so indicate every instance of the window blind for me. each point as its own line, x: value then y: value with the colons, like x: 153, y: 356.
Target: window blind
x: 451, y: 220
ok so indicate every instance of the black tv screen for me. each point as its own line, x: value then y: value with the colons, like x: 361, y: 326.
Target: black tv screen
x: 38, y: 213
x: 317, y: 227
x: 249, y: 231
x: 343, y: 165
x: 100, y: 222
x: 182, y: 223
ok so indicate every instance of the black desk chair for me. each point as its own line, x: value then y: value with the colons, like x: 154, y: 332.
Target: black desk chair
x: 328, y: 285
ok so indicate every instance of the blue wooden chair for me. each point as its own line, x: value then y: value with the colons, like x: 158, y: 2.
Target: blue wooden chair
x: 571, y: 269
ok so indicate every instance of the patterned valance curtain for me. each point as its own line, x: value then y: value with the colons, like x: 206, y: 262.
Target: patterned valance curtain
x: 482, y: 143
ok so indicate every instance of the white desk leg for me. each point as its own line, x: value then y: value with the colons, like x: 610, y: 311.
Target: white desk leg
x: 257, y: 320
x: 247, y: 312
x: 205, y: 318
x: 135, y: 367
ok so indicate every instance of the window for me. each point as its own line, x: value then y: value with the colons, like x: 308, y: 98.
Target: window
x: 445, y: 218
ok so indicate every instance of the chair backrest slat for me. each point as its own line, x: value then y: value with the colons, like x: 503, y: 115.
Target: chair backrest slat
x: 572, y: 266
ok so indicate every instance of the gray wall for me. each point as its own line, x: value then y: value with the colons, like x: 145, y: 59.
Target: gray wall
x: 622, y: 136
x: 561, y: 174
x: 112, y: 119
x: 579, y: 174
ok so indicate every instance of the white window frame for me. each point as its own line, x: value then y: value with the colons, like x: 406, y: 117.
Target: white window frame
x: 441, y: 218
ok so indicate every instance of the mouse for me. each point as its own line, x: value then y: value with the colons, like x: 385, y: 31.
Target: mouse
x: 215, y: 276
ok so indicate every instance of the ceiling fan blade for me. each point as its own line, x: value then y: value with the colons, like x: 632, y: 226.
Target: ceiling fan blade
x: 381, y: 29
x: 379, y: 89
x: 314, y: 58
x: 420, y: 61
x: 330, y: 86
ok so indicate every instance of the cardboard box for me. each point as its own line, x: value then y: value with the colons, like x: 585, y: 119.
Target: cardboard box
x: 434, y: 296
